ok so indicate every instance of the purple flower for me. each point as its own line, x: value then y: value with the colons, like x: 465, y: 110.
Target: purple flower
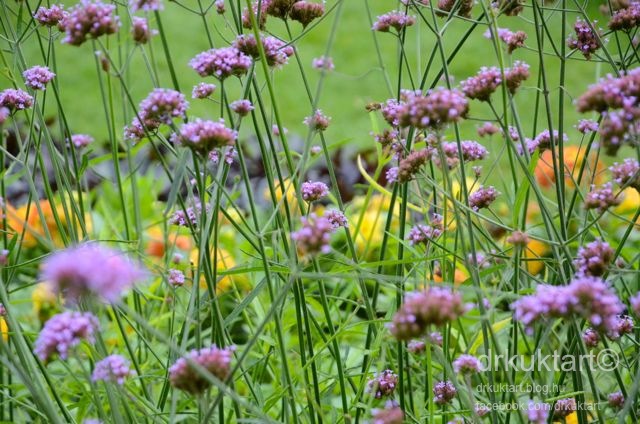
x: 444, y: 392
x: 176, y: 277
x: 434, y: 110
x: 383, y: 384
x: 483, y: 84
x: 518, y: 238
x: 590, y: 337
x: 15, y: 99
x: 626, y: 18
x: 616, y: 400
x: 410, y: 166
x: 488, y: 129
x: 241, y: 107
x: 90, y: 269
x: 113, y: 368
x: 396, y: 20
x: 161, y: 106
x: 433, y: 306
x: 305, y: 12
x: 4, y: 114
x: 463, y: 9
x: 313, y: 237
x: 594, y: 258
x: 145, y: 5
x: 587, y: 125
x: 391, y: 414
x: 635, y: 303
x: 416, y: 346
x: 471, y: 151
x: 219, y: 4
x: 483, y: 197
x: 318, y: 121
x: 513, y: 40
x: 624, y: 174
x: 314, y: 190
x: 89, y: 19
x: 140, y: 30
x: 564, y: 407
x: 221, y: 63
x: 202, y: 90
x: 624, y: 326
x: 423, y: 234
x: 601, y: 198
x: 81, y: 140
x: 37, y: 77
x: 585, y: 40
x: 543, y: 140
x: 259, y: 15
x: 516, y: 75
x: 611, y: 93
x: 323, y: 63
x: 216, y: 361
x: 205, y: 136
x: 467, y: 364
x: 63, y: 332
x: 392, y: 174
x: 336, y: 218
x: 538, y: 412
x: 276, y: 52
x: 50, y: 16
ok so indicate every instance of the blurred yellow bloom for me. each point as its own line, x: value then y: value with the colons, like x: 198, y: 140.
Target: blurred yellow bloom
x: 225, y: 262
x: 4, y: 329
x: 367, y: 221
x: 289, y: 195
x: 45, y: 302
x: 27, y: 218
x: 630, y: 203
x: 535, y: 250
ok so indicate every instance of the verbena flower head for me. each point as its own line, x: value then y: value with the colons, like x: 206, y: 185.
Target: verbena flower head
x: 626, y: 18
x: 396, y: 20
x: 176, y: 277
x: 538, y: 412
x: 190, y: 216
x: 625, y: 174
x: 516, y: 75
x: 113, y: 369
x: 306, y: 12
x: 423, y: 234
x: 422, y: 309
x: 89, y: 19
x: 488, y: 129
x: 63, y: 332
x: 611, y: 93
x: 483, y: 84
x: 482, y: 198
x: 588, y: 297
x: 436, y: 109
x: 161, y: 106
x: 216, y: 361
x: 15, y: 99
x: 50, y: 16
x: 590, y: 337
x: 4, y: 114
x: 601, y: 198
x: 314, y: 190
x: 323, y: 63
x: 279, y: 8
x: 220, y: 9
x: 463, y: 9
x: 81, y: 141
x: 587, y: 125
x: 625, y: 326
x: 318, y: 121
x: 313, y: 237
x: 241, y: 107
x: 444, y: 392
x: 635, y: 303
x: 513, y: 40
x: 469, y: 150
x: 467, y: 364
x: 508, y: 7
x: 564, y: 407
x: 384, y: 384
x: 140, y: 30
x: 585, y: 40
x: 145, y: 5
x: 204, y: 136
x: 276, y: 51
x: 336, y: 218
x: 37, y: 77
x: 202, y: 90
x: 616, y: 400
x: 416, y: 346
x: 221, y: 63
x: 544, y: 141
x: 411, y: 165
x: 594, y: 258
x: 90, y: 269
x: 259, y: 15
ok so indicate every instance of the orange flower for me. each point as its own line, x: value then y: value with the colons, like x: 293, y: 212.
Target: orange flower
x: 573, y: 160
x: 156, y: 245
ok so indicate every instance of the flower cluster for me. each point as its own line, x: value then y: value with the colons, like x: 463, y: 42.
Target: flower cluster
x: 336, y: 218
x: 50, y: 16
x: 305, y: 12
x: 37, y: 77
x: 444, y: 392
x: 464, y: 7
x: 409, y: 167
x: 221, y: 63
x: 140, y: 30
x: 590, y: 337
x: 81, y: 140
x: 214, y: 360
x: 433, y: 110
x: 113, y: 368
x: 467, y: 364
x: 63, y: 332
x: 585, y: 40
x: 423, y: 234
x: 516, y: 75
x: 188, y: 217
x: 318, y: 121
x: 202, y: 90
x: 313, y: 237
x: 204, y: 136
x: 383, y: 384
x: 89, y: 19
x: 469, y: 150
x: 276, y: 51
x: 90, y: 269
x: 390, y: 414
x: 588, y: 297
x: 433, y: 306
x: 483, y: 197
x: 396, y: 20
x: 626, y: 18
x: 627, y: 173
x: 15, y: 99
x: 323, y: 63
x: 488, y: 129
x: 538, y: 413
x: 161, y: 106
x: 241, y: 107
x: 594, y: 258
x: 145, y: 5
x: 587, y: 125
x: 601, y: 198
x: 513, y: 40
x: 483, y: 84
x: 314, y: 190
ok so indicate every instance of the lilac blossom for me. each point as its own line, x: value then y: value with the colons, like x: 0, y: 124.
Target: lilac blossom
x: 383, y: 384
x: 37, y: 77
x: 313, y: 237
x: 444, y: 392
x: 15, y: 99
x: 89, y: 19
x: 50, y: 16
x: 113, y: 368
x: 396, y: 20
x: 221, y: 63
x: 216, y: 361
x: 202, y: 90
x: 63, y: 332
x: 204, y: 136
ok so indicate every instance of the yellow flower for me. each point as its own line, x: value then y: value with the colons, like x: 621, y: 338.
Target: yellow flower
x: 367, y: 222
x: 225, y: 262
x: 45, y: 302
x: 630, y: 203
x: 4, y: 329
x: 535, y: 249
x: 289, y: 195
